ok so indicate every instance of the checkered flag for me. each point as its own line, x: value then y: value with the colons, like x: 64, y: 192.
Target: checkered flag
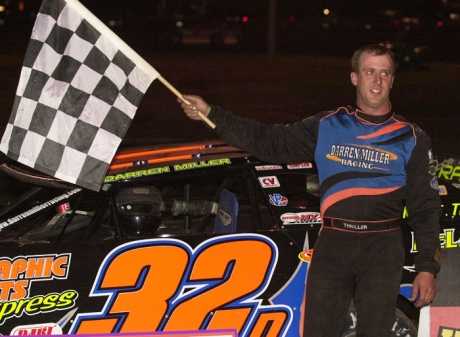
x: 78, y: 92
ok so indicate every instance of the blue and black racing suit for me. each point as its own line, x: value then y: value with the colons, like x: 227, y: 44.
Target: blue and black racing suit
x: 370, y: 168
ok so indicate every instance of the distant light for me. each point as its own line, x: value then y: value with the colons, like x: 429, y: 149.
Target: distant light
x: 292, y: 18
x: 2, y: 8
x: 228, y: 19
x: 368, y: 26
x: 440, y: 23
x: 389, y: 12
x: 179, y: 24
x: 397, y: 22
x: 406, y: 20
x: 114, y: 23
x: 326, y: 11
x: 21, y: 6
x: 245, y: 19
x: 454, y: 16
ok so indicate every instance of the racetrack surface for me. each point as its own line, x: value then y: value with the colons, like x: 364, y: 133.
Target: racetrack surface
x: 276, y: 89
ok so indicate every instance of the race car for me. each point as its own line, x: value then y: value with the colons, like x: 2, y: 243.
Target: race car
x: 190, y: 237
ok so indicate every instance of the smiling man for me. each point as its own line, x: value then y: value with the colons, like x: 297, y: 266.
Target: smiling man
x: 373, y: 76
x: 371, y: 163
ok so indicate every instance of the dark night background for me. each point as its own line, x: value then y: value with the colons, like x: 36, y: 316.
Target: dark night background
x: 277, y: 61
x: 300, y: 25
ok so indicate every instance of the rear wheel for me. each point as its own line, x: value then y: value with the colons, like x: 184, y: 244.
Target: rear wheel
x: 402, y: 327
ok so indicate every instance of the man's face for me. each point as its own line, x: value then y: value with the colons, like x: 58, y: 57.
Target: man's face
x: 373, y: 83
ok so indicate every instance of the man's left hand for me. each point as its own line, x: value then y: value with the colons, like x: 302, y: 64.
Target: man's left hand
x: 424, y: 289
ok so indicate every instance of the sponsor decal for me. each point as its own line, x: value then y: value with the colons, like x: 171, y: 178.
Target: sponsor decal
x: 37, y: 330
x: 225, y: 217
x: 185, y: 288
x: 447, y: 238
x: 201, y: 164
x: 306, y: 255
x: 442, y: 190
x: 277, y: 199
x: 17, y: 276
x: 361, y: 156
x: 454, y: 213
x: 166, y: 169
x: 354, y: 226
x: 449, y: 170
x: 300, y: 218
x: 297, y: 166
x: 44, y: 329
x: 136, y: 174
x: 36, y: 209
x: 269, y: 182
x: 455, y: 209
x: 268, y: 167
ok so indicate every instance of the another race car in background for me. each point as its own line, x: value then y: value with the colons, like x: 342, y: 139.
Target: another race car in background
x: 183, y: 237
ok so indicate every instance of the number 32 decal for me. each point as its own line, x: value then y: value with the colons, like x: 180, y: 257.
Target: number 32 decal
x: 165, y: 285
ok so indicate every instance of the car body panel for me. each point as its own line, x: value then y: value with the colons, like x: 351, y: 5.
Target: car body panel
x: 113, y: 269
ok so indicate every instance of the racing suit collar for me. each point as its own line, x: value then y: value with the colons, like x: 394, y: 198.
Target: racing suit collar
x: 370, y: 118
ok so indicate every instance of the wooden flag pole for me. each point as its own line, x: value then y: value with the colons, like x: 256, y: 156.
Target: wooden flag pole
x: 179, y: 95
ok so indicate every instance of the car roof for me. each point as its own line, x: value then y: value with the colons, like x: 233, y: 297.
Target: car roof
x: 151, y: 161
x: 155, y: 156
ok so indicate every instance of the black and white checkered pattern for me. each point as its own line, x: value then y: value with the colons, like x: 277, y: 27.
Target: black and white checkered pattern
x: 77, y: 95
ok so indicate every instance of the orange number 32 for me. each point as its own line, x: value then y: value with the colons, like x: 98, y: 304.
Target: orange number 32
x: 165, y: 285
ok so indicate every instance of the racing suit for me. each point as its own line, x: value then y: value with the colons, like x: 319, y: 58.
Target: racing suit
x: 370, y: 168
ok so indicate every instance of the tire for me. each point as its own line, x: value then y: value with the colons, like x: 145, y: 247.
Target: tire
x: 402, y: 327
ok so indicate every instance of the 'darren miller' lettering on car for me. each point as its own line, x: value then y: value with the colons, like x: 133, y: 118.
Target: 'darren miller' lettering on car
x: 201, y: 164
x: 187, y: 289
x: 165, y: 169
x: 17, y: 277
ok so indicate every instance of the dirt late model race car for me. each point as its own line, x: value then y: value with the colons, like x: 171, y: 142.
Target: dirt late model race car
x: 186, y: 237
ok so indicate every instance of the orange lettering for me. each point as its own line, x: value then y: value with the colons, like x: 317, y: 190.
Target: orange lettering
x: 229, y: 263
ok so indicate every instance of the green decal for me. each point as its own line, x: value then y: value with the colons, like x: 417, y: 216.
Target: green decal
x: 190, y: 166
x: 136, y: 174
x: 449, y: 172
x: 37, y: 304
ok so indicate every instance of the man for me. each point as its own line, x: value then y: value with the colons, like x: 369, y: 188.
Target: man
x: 371, y: 163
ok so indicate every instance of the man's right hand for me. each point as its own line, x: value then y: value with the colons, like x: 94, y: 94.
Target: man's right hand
x: 192, y: 104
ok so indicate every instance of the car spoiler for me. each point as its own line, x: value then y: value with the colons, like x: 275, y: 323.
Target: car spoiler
x: 33, y: 177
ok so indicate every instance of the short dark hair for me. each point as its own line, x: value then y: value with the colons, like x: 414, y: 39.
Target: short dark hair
x: 375, y: 50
